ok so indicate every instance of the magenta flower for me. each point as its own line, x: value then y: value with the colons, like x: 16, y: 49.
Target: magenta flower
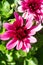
x: 33, y: 7
x: 21, y: 33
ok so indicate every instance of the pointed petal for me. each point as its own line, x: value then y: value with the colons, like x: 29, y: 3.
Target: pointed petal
x: 11, y: 44
x: 19, y: 45
x: 32, y: 32
x: 8, y: 26
x: 16, y: 15
x: 26, y: 47
x: 20, y: 9
x: 25, y: 15
x: 19, y: 19
x: 7, y: 35
x: 29, y: 24
x: 37, y: 27
x: 26, y: 50
x: 29, y: 20
x: 32, y: 39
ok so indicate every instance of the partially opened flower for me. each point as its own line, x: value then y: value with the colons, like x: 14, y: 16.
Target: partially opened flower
x: 21, y: 33
x: 33, y: 7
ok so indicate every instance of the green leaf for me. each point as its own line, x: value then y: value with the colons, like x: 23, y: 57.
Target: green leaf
x: 31, y: 61
x: 6, y: 6
x: 6, y: 10
x: 22, y: 53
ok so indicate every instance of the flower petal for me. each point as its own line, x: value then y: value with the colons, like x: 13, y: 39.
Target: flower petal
x: 37, y: 27
x: 26, y: 1
x: 11, y: 44
x: 26, y: 47
x: 32, y: 39
x: 32, y: 32
x: 16, y: 15
x: 25, y: 15
x: 20, y: 9
x: 29, y: 24
x: 19, y: 45
x: 7, y: 35
x: 26, y: 40
x: 8, y: 26
x: 19, y: 19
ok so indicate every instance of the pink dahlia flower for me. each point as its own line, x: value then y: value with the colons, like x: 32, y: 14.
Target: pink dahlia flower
x: 21, y: 33
x: 33, y: 7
